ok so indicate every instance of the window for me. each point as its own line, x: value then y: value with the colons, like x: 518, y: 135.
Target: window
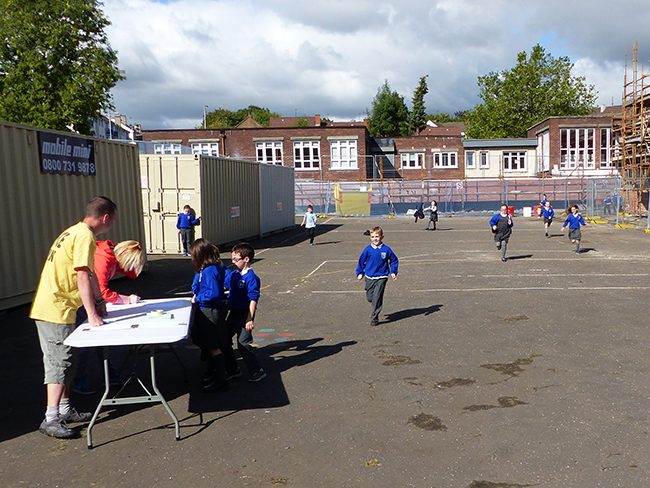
x: 269, y: 152
x: 469, y: 160
x: 484, y: 161
x: 167, y: 148
x: 205, y: 148
x: 306, y: 154
x: 343, y: 153
x: 605, y: 148
x: 514, y: 161
x: 445, y: 160
x: 577, y: 148
x: 412, y: 160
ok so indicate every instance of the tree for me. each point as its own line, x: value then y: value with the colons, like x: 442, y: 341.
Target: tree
x: 538, y: 87
x: 389, y: 114
x: 417, y: 118
x: 56, y: 64
x: 223, y: 118
x: 301, y: 122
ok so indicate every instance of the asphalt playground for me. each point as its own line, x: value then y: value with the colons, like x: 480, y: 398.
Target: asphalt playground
x: 481, y: 374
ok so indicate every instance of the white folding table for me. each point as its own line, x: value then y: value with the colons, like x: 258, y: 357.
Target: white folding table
x: 134, y: 325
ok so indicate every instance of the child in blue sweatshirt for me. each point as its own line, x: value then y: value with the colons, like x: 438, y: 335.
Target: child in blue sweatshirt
x: 185, y: 225
x: 574, y: 220
x: 501, y: 224
x: 209, y: 330
x: 548, y: 214
x: 375, y: 263
x: 244, y: 286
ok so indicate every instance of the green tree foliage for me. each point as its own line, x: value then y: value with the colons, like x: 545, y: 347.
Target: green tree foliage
x: 222, y: 118
x: 417, y: 118
x: 301, y: 122
x: 389, y: 115
x: 56, y: 64
x: 539, y: 86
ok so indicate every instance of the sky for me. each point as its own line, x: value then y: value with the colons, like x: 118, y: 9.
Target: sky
x: 329, y: 57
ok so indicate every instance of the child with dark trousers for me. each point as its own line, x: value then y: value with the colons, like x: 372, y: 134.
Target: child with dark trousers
x: 548, y: 214
x: 209, y: 331
x: 375, y: 263
x: 501, y: 224
x: 244, y: 286
x: 185, y: 225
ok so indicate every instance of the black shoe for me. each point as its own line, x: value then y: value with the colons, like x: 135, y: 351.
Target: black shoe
x: 366, y: 233
x: 503, y: 259
x: 236, y: 374
x: 374, y: 323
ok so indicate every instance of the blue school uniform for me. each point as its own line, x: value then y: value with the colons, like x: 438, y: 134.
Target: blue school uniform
x: 548, y: 213
x: 377, y: 262
x: 574, y: 221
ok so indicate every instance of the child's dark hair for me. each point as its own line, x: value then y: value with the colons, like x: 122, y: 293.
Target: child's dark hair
x: 204, y: 254
x: 245, y: 250
x: 100, y: 206
x: 309, y: 206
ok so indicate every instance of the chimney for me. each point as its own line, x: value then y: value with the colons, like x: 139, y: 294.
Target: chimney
x: 317, y: 120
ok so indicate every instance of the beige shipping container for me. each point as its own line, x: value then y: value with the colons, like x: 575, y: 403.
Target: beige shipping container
x: 38, y: 205
x: 226, y: 193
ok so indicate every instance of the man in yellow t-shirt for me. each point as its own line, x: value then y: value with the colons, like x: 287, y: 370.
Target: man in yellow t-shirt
x: 67, y: 282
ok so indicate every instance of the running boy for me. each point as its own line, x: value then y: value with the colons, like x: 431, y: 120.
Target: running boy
x: 501, y: 225
x: 574, y: 220
x: 375, y: 263
x: 309, y: 222
x: 244, y: 286
x: 548, y: 214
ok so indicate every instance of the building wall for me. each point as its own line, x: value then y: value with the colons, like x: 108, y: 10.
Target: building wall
x: 553, y: 125
x: 495, y: 159
x: 429, y: 142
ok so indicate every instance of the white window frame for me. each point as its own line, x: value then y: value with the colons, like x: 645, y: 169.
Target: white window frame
x: 166, y: 148
x: 412, y: 160
x: 269, y: 152
x: 514, y: 160
x: 343, y: 154
x: 205, y: 148
x: 605, y: 148
x: 306, y: 155
x: 484, y: 160
x: 577, y: 145
x: 445, y: 160
x: 470, y: 163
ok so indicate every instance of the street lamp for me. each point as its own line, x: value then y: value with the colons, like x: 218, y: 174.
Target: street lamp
x: 205, y: 117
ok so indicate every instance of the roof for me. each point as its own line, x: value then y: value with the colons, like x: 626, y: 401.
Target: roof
x: 500, y: 143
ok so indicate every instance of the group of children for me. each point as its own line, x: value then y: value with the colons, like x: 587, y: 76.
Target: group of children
x: 214, y: 324
x: 502, y: 223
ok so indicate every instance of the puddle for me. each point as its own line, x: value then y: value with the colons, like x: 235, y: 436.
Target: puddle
x: 395, y: 359
x: 514, y: 318
x: 455, y: 382
x: 513, y: 368
x: 503, y: 402
x: 427, y: 422
x: 489, y: 484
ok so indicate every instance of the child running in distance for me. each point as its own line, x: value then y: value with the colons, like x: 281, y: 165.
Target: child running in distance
x: 501, y: 225
x: 309, y: 222
x: 574, y: 221
x: 548, y: 214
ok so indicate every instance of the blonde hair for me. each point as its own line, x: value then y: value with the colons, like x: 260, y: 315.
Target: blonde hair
x: 129, y: 256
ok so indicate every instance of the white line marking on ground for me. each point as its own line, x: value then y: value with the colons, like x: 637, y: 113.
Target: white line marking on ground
x: 317, y: 268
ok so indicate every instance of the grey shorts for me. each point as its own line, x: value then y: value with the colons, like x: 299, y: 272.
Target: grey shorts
x: 575, y: 234
x: 58, y: 359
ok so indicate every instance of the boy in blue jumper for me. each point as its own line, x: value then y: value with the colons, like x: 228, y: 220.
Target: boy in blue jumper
x: 375, y: 263
x: 185, y: 225
x: 574, y: 220
x: 501, y: 225
x: 548, y: 214
x: 244, y: 286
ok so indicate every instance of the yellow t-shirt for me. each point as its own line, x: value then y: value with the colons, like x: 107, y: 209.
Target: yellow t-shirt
x: 57, y: 297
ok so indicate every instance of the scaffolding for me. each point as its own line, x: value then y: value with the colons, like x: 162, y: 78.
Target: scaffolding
x: 634, y: 138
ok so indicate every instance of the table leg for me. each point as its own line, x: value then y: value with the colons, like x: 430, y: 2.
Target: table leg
x: 152, y: 349
x: 101, y: 402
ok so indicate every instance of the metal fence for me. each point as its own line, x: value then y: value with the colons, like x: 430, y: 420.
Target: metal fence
x: 594, y: 196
